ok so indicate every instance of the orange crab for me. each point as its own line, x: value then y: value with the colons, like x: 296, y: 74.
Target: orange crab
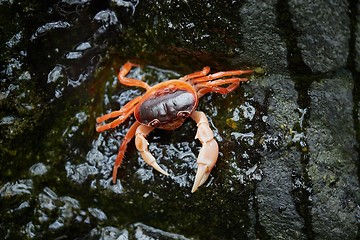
x: 166, y: 106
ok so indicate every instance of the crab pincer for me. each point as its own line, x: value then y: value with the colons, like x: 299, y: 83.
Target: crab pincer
x: 209, y: 151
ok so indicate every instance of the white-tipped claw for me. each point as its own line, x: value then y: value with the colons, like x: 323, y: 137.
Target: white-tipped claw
x: 149, y: 159
x: 209, y: 151
x: 142, y: 146
x: 158, y: 168
x: 201, y: 176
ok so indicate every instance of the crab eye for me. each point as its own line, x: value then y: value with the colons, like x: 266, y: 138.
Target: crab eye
x: 154, y: 123
x: 183, y: 114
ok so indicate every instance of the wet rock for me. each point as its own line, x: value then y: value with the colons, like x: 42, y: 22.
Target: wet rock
x: 277, y: 209
x: 54, y: 213
x: 97, y: 213
x: 20, y: 187
x: 137, y: 231
x: 106, y: 17
x: 38, y: 169
x: 25, y: 93
x: 143, y: 231
x: 48, y: 27
x: 324, y: 33
x: 333, y: 158
x: 287, y: 165
x: 176, y: 29
x: 111, y: 233
x: 356, y: 23
x: 261, y: 38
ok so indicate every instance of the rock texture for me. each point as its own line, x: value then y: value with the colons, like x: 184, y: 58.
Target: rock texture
x: 288, y: 166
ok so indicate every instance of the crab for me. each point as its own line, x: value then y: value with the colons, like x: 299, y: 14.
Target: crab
x: 167, y: 105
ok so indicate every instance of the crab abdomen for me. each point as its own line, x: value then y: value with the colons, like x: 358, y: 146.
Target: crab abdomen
x: 166, y: 105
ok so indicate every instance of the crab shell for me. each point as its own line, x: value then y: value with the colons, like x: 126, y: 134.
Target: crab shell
x: 178, y: 100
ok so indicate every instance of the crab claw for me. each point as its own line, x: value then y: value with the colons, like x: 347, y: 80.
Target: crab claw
x: 149, y: 159
x: 142, y: 146
x: 206, y: 161
x: 202, y: 173
x: 209, y: 151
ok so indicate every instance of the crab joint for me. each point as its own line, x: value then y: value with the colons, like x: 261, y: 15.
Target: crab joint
x: 209, y: 151
x: 142, y: 146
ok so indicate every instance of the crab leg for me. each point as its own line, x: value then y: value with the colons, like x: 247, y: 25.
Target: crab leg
x: 220, y: 75
x: 129, y: 135
x: 205, y: 87
x: 132, y: 82
x: 201, y: 73
x: 142, y: 146
x: 122, y: 115
x: 209, y: 151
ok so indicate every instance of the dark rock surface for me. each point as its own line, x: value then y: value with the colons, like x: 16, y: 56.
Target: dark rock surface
x: 288, y: 166
x: 333, y: 161
x: 323, y: 33
x: 262, y: 40
x: 277, y: 204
